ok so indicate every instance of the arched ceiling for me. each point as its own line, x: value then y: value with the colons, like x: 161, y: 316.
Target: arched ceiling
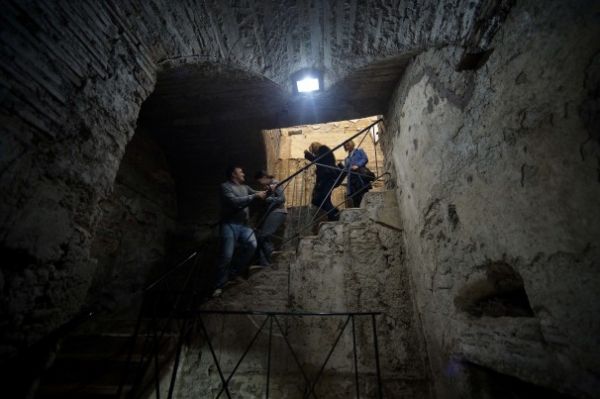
x: 75, y: 75
x: 278, y: 37
x: 204, y: 94
x: 208, y: 116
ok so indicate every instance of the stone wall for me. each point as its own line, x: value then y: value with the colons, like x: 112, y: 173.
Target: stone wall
x: 498, y: 185
x: 358, y: 265
x: 298, y: 138
x: 138, y: 220
x: 75, y: 74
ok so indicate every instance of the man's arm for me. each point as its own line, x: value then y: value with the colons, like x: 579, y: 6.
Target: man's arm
x: 277, y: 198
x: 237, y: 201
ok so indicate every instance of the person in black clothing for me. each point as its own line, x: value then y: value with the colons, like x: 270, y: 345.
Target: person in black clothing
x: 327, y: 178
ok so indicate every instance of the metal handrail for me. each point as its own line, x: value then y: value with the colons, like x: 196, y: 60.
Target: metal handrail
x: 170, y: 272
x: 314, y: 161
x: 272, y: 319
x: 87, y: 315
x: 158, y: 336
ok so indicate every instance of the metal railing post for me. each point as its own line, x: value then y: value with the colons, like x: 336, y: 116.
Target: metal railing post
x: 355, y: 359
x: 243, y: 356
x: 177, y: 358
x: 375, y: 152
x: 314, y: 384
x: 214, y: 355
x: 287, y: 342
x: 269, y: 356
x: 378, y: 368
x: 156, y: 344
x: 134, y: 338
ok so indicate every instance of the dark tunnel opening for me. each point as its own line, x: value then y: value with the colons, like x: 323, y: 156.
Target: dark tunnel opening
x: 200, y: 119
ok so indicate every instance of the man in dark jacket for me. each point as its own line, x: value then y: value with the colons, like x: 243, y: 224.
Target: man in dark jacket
x: 235, y: 198
x: 327, y: 177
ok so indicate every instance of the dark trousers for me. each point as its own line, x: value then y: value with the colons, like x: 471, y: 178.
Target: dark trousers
x: 357, y: 187
x: 356, y: 199
x: 322, y: 198
x: 265, y: 235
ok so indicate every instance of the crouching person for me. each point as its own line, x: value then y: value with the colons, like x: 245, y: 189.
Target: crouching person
x: 274, y: 217
x: 234, y: 230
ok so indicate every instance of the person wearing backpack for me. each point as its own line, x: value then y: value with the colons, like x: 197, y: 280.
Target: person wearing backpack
x: 356, y: 167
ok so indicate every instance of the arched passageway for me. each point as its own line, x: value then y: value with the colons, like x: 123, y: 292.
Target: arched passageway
x: 79, y: 73
x: 200, y: 119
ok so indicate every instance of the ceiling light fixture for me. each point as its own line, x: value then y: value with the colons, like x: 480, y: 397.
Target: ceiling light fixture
x: 307, y: 84
x: 307, y: 81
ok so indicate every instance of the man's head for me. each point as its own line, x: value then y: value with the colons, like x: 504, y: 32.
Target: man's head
x: 236, y: 174
x: 349, y: 145
x: 263, y: 177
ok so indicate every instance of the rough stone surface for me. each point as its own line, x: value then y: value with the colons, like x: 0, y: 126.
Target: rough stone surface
x: 358, y: 265
x: 266, y: 290
x: 352, y: 265
x: 137, y: 223
x: 76, y: 73
x: 497, y: 175
x: 492, y: 135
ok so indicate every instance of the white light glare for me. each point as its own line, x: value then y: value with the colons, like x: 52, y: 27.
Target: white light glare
x: 307, y: 85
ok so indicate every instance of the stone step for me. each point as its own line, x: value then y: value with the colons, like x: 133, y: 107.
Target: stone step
x: 92, y: 366
x: 374, y: 199
x: 113, y: 327
x: 82, y: 371
x: 88, y: 391
x: 282, y: 258
x: 350, y: 215
x: 117, y: 346
x: 266, y: 289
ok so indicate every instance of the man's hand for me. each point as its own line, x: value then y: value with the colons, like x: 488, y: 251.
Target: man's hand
x: 354, y: 167
x: 261, y: 194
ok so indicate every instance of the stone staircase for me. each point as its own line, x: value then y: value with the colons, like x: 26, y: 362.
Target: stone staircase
x: 91, y: 362
x: 265, y: 290
x: 351, y: 265
x: 354, y: 264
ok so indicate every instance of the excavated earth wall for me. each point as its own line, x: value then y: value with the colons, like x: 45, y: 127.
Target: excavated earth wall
x: 496, y: 165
